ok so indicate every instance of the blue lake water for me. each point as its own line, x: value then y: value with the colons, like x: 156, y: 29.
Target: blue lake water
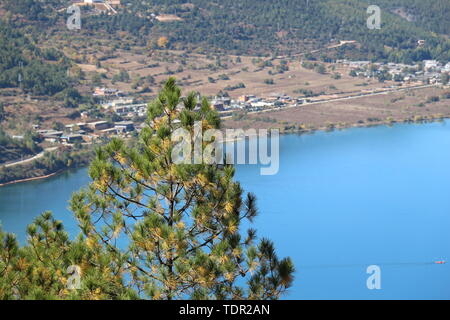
x: 341, y: 201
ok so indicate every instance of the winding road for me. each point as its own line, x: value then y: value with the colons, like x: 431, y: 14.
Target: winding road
x: 38, y: 156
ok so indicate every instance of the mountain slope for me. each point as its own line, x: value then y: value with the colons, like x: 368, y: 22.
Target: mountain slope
x: 24, y: 65
x: 429, y: 15
x: 266, y: 27
x: 292, y: 25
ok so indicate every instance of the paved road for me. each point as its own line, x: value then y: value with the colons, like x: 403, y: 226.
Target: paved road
x: 39, y: 155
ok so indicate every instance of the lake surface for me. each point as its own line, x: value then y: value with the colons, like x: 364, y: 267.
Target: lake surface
x: 341, y: 201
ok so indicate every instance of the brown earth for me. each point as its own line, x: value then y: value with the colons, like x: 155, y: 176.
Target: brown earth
x: 411, y: 105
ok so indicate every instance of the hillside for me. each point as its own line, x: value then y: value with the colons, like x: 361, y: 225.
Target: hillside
x: 14, y: 149
x: 263, y: 27
x: 429, y: 15
x: 48, y: 73
x: 22, y: 64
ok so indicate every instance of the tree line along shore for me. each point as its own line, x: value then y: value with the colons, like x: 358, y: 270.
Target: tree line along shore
x: 64, y: 158
x: 50, y: 164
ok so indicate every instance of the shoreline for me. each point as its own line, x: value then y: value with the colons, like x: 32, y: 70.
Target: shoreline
x: 282, y: 132
x: 336, y: 126
x: 325, y: 128
x: 32, y: 179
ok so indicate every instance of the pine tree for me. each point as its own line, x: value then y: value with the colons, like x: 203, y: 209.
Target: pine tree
x: 2, y: 111
x: 445, y: 77
x: 46, y: 267
x: 150, y: 228
x: 182, y: 221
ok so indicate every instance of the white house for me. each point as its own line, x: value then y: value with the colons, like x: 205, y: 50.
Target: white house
x: 447, y: 67
x: 430, y: 64
x: 358, y: 64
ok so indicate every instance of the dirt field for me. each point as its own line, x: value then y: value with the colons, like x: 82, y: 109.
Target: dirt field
x: 209, y: 75
x: 394, y: 107
x: 22, y: 111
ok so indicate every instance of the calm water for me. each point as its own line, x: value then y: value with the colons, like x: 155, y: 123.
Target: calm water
x: 340, y: 202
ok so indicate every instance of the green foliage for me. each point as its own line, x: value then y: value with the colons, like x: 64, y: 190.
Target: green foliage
x: 430, y: 15
x: 122, y: 76
x: 52, y: 54
x: 180, y: 223
x: 433, y: 99
x: 13, y: 149
x: 50, y: 163
x: 266, y: 27
x: 308, y: 93
x: 336, y: 76
x: 321, y: 69
x: 41, y: 269
x: 445, y: 78
x: 72, y: 98
x: 2, y: 111
x: 383, y: 75
x: 33, y: 10
x: 252, y: 27
x: 131, y: 22
x: 23, y: 65
x: 240, y: 85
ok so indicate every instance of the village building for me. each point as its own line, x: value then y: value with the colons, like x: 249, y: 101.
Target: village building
x: 103, y: 6
x: 430, y: 64
x: 226, y: 101
x: 246, y: 98
x: 117, y: 103
x: 99, y: 125
x: 218, y: 106
x: 71, y: 138
x: 50, y: 135
x: 105, y: 92
x: 109, y: 131
x: 76, y: 127
x: 124, y: 126
x: 447, y: 67
x: 358, y: 64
